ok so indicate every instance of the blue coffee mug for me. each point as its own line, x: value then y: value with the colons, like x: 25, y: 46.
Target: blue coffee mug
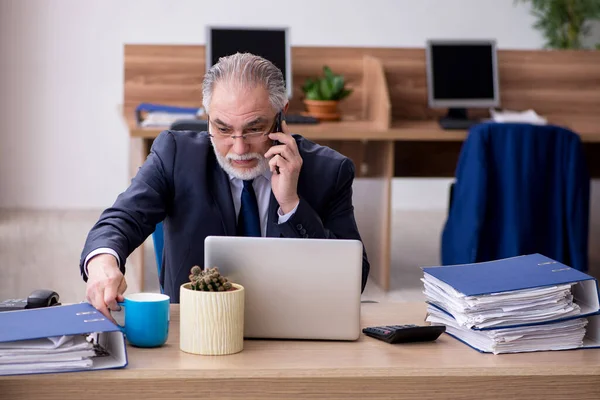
x: 146, y: 319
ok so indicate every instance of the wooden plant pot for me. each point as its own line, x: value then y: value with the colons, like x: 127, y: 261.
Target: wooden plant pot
x: 324, y: 110
x: 212, y: 323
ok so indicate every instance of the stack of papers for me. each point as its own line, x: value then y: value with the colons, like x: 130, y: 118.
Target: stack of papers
x: 562, y: 335
x: 520, y: 304
x: 502, y: 309
x: 163, y: 116
x: 527, y: 116
x: 47, y: 354
x: 63, y: 338
x: 163, y: 119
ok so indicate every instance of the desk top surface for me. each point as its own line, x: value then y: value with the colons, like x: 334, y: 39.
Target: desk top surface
x: 401, y: 130
x: 366, y: 357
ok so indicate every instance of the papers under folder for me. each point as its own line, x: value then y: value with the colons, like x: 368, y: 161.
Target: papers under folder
x: 526, y: 303
x: 59, y: 339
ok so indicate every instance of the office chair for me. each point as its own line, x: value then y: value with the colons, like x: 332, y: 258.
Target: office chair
x: 196, y: 125
x: 158, y: 240
x: 519, y: 189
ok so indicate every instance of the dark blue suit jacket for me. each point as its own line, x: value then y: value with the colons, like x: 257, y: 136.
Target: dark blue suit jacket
x: 519, y: 189
x: 182, y: 183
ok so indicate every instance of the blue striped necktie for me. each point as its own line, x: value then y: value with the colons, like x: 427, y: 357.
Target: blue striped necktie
x: 248, y: 219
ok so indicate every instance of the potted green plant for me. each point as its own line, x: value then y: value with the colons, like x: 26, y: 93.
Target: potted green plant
x: 564, y: 23
x: 323, y: 94
x: 211, y: 314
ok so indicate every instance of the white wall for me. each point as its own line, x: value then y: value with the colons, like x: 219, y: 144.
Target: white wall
x: 62, y: 140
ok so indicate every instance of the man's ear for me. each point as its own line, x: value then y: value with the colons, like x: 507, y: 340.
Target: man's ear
x: 285, y: 108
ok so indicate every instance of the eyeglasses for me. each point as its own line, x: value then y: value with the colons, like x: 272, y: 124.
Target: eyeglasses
x: 255, y: 136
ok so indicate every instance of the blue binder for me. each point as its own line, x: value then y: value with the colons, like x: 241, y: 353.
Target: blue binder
x: 518, y: 273
x: 150, y: 107
x: 65, y: 320
x: 590, y: 341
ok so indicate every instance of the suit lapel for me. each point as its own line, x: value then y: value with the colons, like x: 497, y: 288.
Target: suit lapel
x: 221, y: 192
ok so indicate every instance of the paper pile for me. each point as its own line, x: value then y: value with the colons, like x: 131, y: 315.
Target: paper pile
x: 48, y: 354
x: 521, y: 307
x: 502, y: 309
x: 520, y: 304
x: 163, y: 116
x: 74, y: 337
x: 527, y: 116
x: 555, y: 336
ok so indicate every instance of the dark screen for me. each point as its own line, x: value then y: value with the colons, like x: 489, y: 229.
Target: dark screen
x: 462, y: 71
x: 269, y: 44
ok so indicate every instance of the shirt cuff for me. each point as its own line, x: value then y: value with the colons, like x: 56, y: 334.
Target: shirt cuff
x: 284, y: 217
x: 102, y: 250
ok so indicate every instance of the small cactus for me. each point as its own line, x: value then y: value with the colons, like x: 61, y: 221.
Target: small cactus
x: 209, y: 280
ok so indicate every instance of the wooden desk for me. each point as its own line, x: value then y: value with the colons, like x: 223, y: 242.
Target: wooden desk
x: 366, y: 369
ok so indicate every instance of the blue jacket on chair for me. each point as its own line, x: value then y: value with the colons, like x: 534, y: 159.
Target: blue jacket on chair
x: 519, y: 189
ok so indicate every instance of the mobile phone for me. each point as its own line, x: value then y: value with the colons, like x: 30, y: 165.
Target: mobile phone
x: 277, y: 128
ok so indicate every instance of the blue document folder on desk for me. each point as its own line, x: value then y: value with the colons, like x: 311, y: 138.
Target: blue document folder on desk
x: 519, y: 273
x: 25, y: 345
x: 519, y: 304
x: 476, y: 338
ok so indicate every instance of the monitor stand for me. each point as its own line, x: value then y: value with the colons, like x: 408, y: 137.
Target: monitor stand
x: 457, y: 118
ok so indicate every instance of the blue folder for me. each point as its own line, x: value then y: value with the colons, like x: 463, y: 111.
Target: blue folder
x: 66, y: 320
x: 518, y: 273
x: 166, y: 108
x: 590, y: 341
x: 150, y: 107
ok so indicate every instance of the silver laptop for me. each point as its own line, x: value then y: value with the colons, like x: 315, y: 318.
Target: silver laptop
x: 295, y: 288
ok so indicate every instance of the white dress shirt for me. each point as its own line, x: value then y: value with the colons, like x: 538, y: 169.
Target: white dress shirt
x: 262, y: 189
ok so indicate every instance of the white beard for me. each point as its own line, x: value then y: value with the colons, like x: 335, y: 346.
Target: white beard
x: 242, y: 173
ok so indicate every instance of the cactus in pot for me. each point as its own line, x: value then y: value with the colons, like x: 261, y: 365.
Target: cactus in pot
x: 211, y: 313
x: 209, y: 280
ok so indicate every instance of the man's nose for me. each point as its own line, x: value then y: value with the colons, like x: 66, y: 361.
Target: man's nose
x: 239, y: 146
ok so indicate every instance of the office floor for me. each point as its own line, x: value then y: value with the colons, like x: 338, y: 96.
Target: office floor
x: 40, y: 249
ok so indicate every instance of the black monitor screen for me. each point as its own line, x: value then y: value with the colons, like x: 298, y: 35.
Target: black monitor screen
x: 462, y: 71
x: 269, y: 44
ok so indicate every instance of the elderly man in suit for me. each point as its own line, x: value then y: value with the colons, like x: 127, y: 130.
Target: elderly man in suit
x: 242, y: 177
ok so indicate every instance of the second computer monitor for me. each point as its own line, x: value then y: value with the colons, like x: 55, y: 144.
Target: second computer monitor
x: 462, y: 74
x: 270, y: 43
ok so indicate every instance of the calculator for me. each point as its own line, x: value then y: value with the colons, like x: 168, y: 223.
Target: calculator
x: 405, y: 333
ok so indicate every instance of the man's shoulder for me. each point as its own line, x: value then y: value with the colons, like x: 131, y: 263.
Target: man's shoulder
x: 322, y: 159
x: 310, y: 149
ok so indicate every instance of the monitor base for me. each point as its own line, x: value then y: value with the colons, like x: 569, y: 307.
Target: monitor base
x: 457, y: 118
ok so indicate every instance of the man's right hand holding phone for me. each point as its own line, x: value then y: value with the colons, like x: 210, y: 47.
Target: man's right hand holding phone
x: 106, y: 284
x: 287, y: 157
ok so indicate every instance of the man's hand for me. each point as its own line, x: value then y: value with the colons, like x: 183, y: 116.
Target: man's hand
x: 106, y: 284
x: 288, y: 159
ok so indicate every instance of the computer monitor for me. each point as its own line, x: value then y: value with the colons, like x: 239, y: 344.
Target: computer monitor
x: 461, y: 74
x: 272, y: 43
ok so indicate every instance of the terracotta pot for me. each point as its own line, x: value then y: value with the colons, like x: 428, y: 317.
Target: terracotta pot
x: 212, y: 323
x: 324, y: 110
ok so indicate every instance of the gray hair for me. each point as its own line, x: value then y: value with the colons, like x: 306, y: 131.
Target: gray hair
x: 247, y: 70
